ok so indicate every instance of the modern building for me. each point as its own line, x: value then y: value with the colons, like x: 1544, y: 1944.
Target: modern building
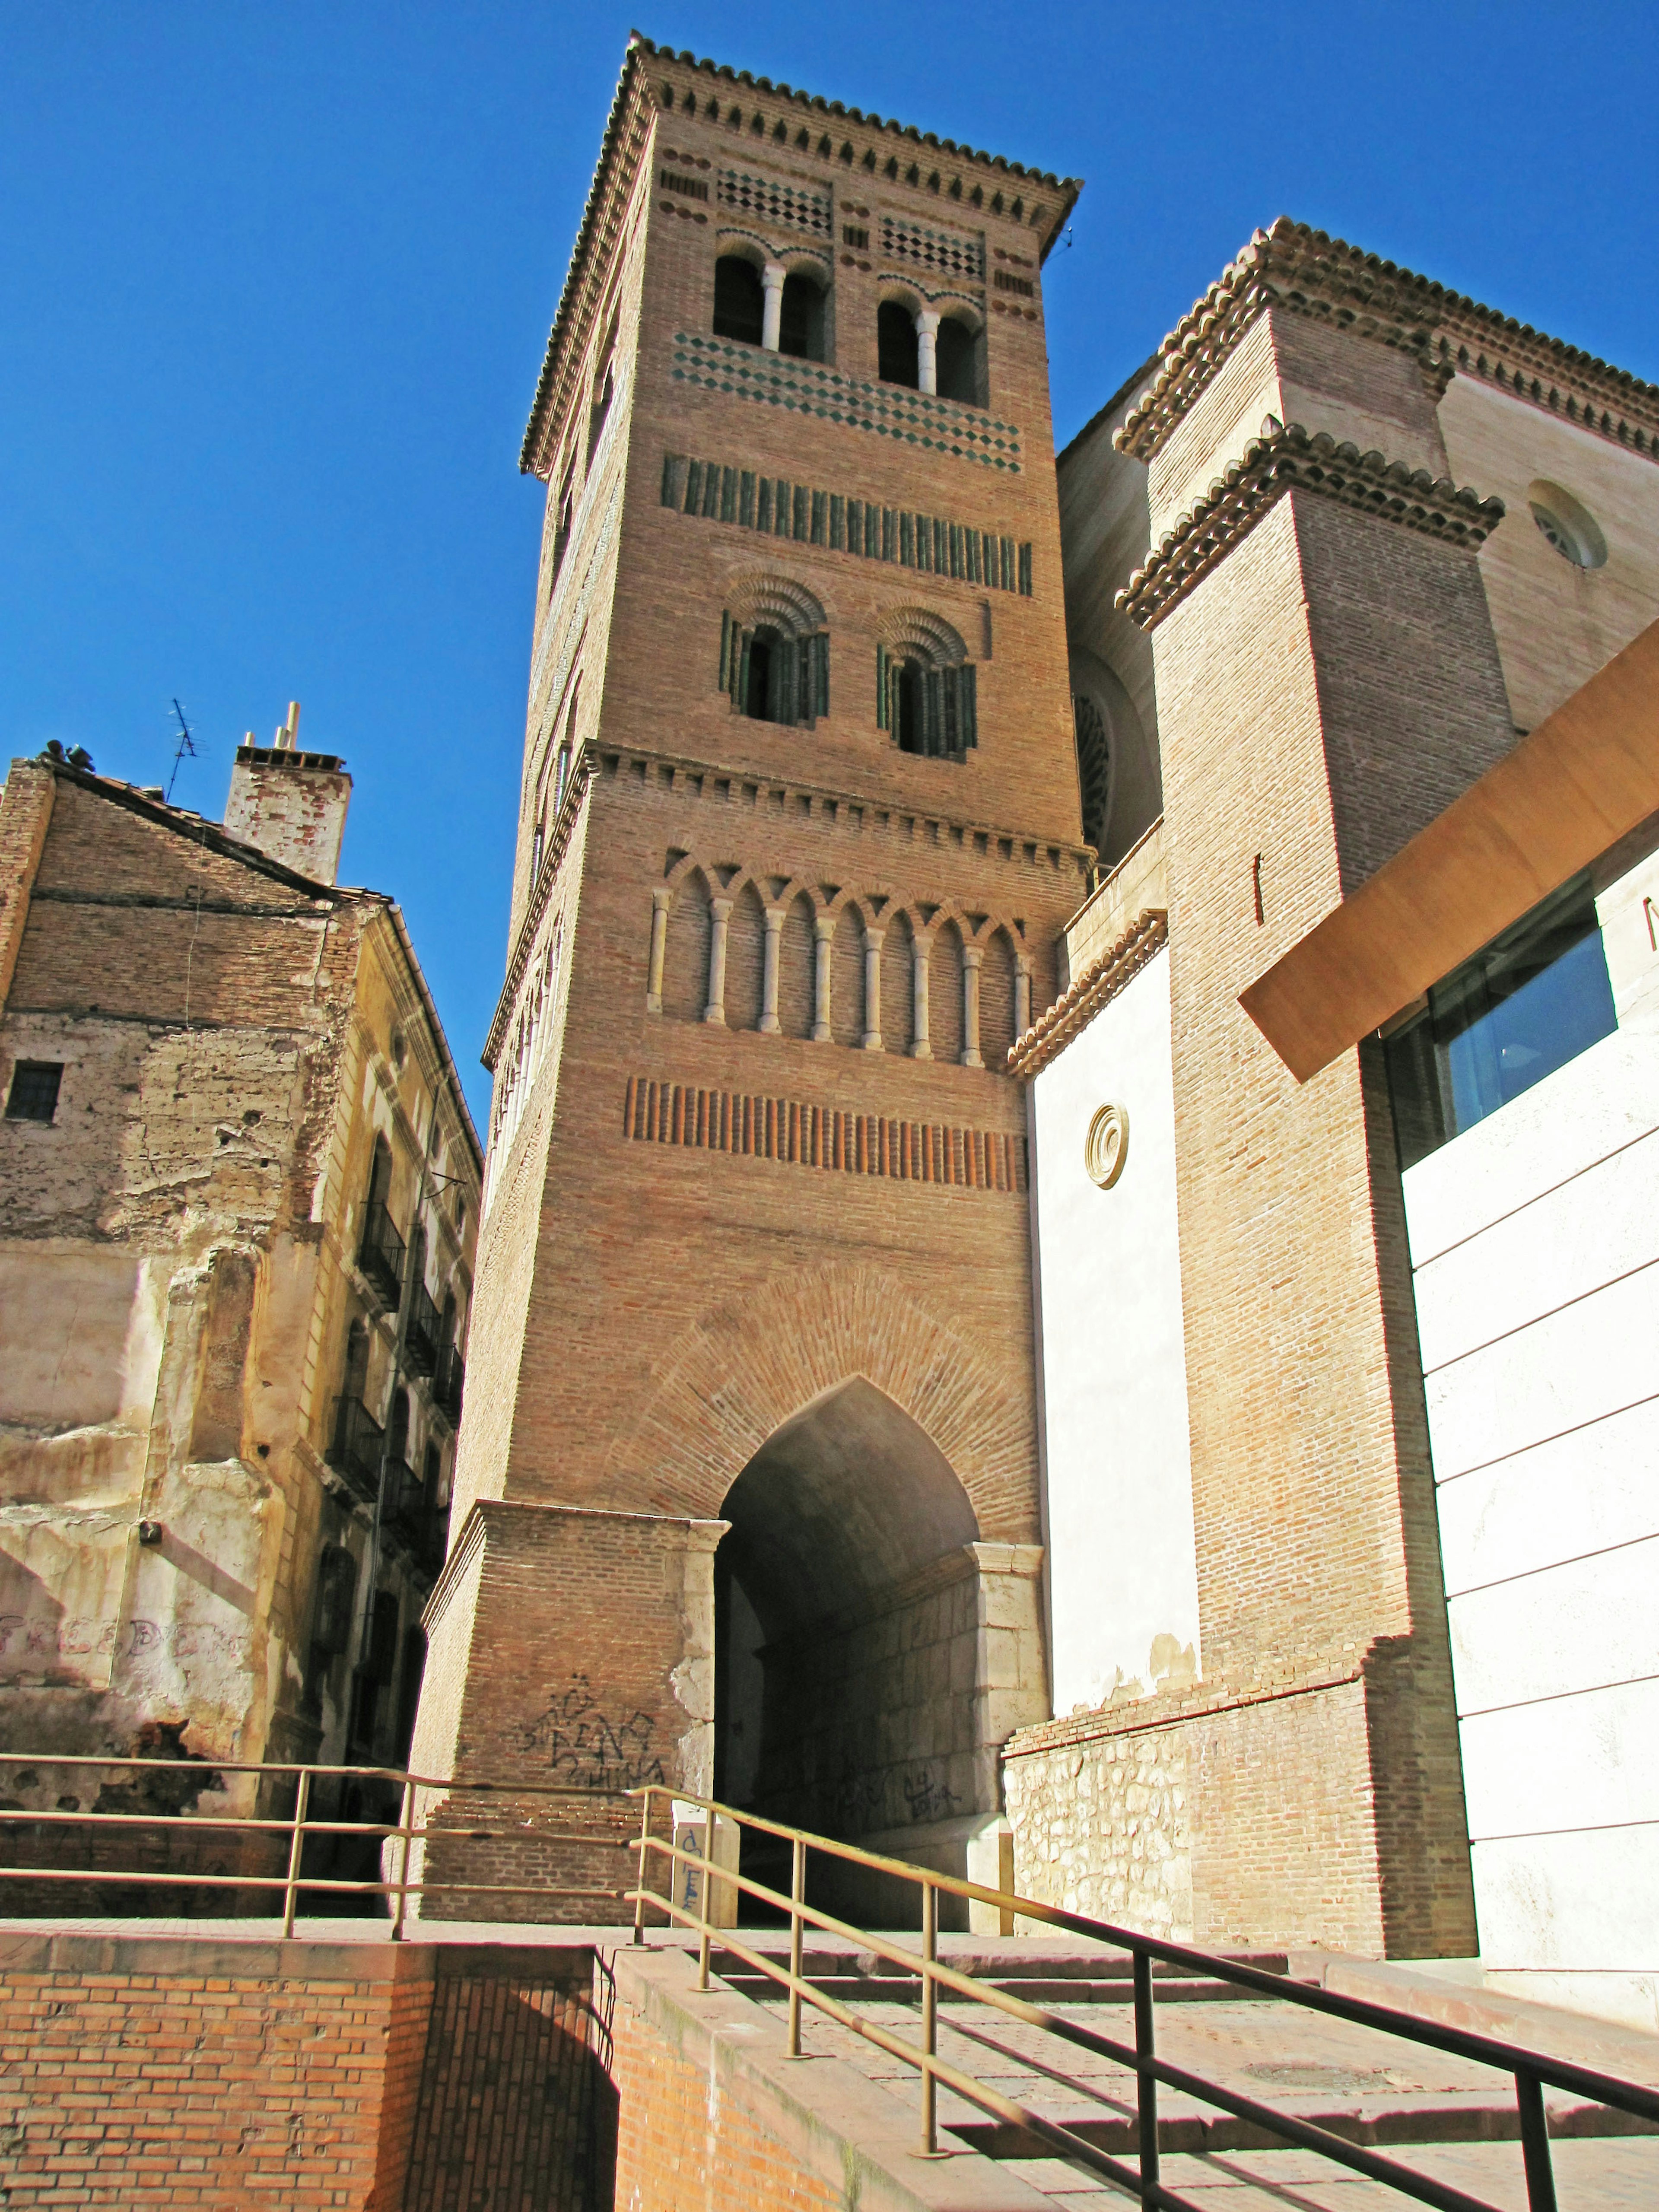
x: 239, y: 1193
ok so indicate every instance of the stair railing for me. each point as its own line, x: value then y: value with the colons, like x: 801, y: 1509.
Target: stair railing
x: 1531, y: 2070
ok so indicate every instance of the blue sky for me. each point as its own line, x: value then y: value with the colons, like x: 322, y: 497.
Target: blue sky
x: 275, y: 283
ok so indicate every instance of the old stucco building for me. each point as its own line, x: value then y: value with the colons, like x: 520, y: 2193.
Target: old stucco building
x: 240, y: 1193
x: 872, y: 1378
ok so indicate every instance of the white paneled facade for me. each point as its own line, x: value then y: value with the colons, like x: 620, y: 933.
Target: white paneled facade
x: 1535, y: 1245
x: 1122, y: 1576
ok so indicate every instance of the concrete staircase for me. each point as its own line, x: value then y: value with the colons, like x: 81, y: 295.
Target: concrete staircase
x: 1446, y: 2117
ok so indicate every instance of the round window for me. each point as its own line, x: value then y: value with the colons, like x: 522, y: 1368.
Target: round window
x: 1569, y: 526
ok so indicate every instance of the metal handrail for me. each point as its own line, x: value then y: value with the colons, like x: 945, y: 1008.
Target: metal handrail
x: 1531, y: 2070
x: 405, y: 1831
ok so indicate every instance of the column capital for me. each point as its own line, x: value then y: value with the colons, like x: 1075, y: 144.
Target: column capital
x: 773, y: 916
x: 720, y: 908
x: 660, y: 897
x: 972, y: 955
x: 823, y: 927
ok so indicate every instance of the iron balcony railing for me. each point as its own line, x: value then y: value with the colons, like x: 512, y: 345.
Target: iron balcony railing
x: 422, y: 1334
x: 450, y: 1381
x: 1533, y: 2071
x: 381, y: 1256
x: 355, y: 1447
x: 123, y: 1839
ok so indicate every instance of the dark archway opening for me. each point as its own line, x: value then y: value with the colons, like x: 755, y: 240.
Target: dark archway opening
x: 845, y: 1624
x: 897, y: 360
x: 739, y: 300
x: 761, y: 700
x: 907, y: 712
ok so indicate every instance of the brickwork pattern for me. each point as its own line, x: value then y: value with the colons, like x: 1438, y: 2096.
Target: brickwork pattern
x: 174, y: 2080
x: 513, y: 2107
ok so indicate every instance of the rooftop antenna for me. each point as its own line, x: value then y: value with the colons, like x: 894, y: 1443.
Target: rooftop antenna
x: 186, y: 745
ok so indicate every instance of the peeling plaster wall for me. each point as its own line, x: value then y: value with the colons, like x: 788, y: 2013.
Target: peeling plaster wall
x: 178, y: 1272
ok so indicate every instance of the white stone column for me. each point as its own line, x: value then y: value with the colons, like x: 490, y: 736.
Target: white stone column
x: 825, y: 931
x: 769, y: 1020
x: 772, y: 276
x: 921, y: 952
x: 659, y: 899
x: 715, y: 1010
x: 871, y: 1038
x: 971, y: 957
x: 926, y: 349
x: 1022, y: 994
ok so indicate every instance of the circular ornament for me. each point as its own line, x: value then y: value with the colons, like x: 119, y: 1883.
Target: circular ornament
x: 1106, y: 1146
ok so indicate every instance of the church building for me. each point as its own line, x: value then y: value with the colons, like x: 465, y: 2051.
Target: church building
x: 953, y: 1365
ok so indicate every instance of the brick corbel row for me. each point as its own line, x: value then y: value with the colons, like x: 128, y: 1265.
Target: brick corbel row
x: 1292, y: 459
x: 1310, y: 273
x: 1099, y: 983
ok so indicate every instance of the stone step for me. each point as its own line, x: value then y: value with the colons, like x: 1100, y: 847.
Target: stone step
x: 1039, y: 1969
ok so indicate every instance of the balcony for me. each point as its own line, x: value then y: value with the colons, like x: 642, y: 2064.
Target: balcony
x: 449, y: 1380
x: 409, y: 1520
x: 381, y: 1257
x: 355, y: 1450
x: 423, y: 1341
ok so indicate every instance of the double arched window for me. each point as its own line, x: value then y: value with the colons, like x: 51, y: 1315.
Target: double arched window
x: 927, y: 695
x: 928, y: 349
x: 774, y: 652
x: 760, y: 301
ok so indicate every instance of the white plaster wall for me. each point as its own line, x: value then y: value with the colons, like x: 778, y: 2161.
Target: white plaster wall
x: 1122, y: 1577
x: 1536, y: 1244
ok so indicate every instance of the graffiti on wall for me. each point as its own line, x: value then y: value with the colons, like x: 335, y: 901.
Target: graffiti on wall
x: 587, y: 1748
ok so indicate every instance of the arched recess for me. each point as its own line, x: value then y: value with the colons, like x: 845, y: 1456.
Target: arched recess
x: 847, y: 978
x: 944, y: 993
x: 796, y: 941
x: 898, y: 988
x: 996, y: 1000
x: 926, y: 685
x: 745, y: 936
x: 685, y: 962
x: 848, y: 1542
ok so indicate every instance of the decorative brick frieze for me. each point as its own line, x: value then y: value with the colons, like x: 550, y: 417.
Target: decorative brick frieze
x: 941, y: 252
x: 1097, y: 986
x: 772, y: 201
x: 793, y: 1132
x: 801, y: 513
x: 807, y: 388
x: 1292, y: 459
x: 1307, y: 272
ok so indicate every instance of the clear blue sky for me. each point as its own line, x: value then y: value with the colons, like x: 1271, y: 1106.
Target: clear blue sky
x: 275, y: 282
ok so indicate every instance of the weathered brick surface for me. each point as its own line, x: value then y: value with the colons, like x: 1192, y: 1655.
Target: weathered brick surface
x: 205, y: 2074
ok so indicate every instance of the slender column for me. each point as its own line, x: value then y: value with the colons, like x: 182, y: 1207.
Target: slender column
x: 824, y: 930
x: 921, y: 951
x: 659, y: 898
x: 927, y: 354
x: 971, y: 957
x: 715, y: 1010
x: 871, y: 1038
x: 772, y: 304
x: 1022, y: 994
x: 769, y: 1020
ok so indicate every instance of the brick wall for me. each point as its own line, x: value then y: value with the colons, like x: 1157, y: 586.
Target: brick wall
x: 153, y: 2072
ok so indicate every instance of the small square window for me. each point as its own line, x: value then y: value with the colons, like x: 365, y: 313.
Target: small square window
x: 34, y: 1094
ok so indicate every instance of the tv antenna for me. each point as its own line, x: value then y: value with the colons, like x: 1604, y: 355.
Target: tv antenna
x: 186, y: 746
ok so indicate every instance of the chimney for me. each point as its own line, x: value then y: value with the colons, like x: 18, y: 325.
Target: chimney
x: 291, y: 804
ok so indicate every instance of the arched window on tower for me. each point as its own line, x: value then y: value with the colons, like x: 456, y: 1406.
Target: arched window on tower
x: 802, y: 319
x: 959, y: 361
x: 926, y: 691
x: 1094, y: 769
x: 774, y: 652
x: 561, y: 525
x: 739, y: 300
x: 897, y: 355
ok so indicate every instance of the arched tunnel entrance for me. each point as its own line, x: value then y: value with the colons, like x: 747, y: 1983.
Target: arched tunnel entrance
x: 871, y: 1652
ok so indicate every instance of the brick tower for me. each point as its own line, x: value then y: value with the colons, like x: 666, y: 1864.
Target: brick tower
x: 748, y: 1491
